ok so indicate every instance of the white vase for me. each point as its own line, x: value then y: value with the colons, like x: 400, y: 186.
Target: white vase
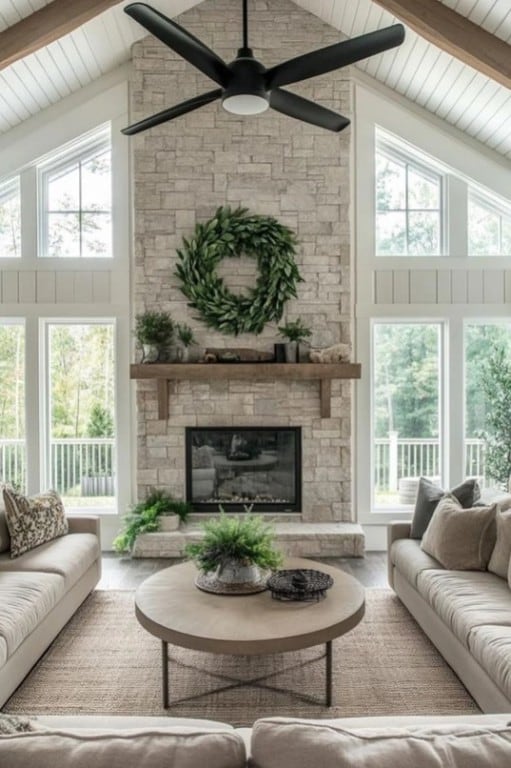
x: 233, y: 571
x: 150, y: 353
x: 168, y: 522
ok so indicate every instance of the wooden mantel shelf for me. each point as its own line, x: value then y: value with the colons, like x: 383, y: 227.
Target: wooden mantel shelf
x: 165, y: 372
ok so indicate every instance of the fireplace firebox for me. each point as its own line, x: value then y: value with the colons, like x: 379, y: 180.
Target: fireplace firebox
x: 240, y: 466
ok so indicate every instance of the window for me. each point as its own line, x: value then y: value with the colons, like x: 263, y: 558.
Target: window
x: 406, y: 408
x: 10, y: 219
x: 81, y: 412
x: 489, y: 226
x: 408, y: 204
x: 487, y: 416
x: 77, y: 202
x: 12, y: 404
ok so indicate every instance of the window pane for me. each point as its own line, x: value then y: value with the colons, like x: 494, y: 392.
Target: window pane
x: 423, y: 192
x: 390, y: 184
x: 64, y: 234
x: 96, y: 234
x: 12, y: 405
x: 483, y: 230
x: 423, y: 233
x: 488, y: 402
x: 82, y: 433
x: 406, y: 409
x: 391, y: 233
x: 506, y: 237
x: 64, y: 189
x: 96, y: 183
x: 10, y: 219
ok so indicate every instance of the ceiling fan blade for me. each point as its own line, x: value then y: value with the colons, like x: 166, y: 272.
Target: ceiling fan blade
x: 334, y: 56
x: 302, y: 109
x: 172, y: 112
x: 181, y: 41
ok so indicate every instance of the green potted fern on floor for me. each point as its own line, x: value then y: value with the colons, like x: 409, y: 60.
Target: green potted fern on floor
x: 160, y: 511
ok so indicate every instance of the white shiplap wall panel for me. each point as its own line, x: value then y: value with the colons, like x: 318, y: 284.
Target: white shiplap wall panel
x: 45, y: 288
x: 26, y: 287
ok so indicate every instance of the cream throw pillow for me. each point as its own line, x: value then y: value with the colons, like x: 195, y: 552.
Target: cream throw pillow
x: 460, y: 539
x: 33, y: 520
x: 499, y: 561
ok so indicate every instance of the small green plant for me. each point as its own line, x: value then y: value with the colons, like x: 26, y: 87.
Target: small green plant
x: 143, y: 517
x: 247, y: 538
x: 295, y: 330
x: 185, y: 335
x: 155, y: 328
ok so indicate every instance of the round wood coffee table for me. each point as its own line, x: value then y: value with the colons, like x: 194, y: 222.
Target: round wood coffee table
x: 173, y: 609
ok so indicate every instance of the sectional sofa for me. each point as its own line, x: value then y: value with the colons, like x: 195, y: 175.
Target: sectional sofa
x: 39, y: 592
x: 466, y: 614
x: 381, y: 742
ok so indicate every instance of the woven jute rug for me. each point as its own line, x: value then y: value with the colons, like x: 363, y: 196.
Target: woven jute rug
x: 103, y: 662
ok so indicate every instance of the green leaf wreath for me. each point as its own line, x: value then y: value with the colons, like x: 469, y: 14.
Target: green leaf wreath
x: 233, y: 233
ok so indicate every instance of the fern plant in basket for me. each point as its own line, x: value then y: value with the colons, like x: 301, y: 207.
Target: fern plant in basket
x: 236, y: 548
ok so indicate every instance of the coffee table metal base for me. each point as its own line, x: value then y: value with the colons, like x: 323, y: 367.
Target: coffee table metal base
x: 165, y: 674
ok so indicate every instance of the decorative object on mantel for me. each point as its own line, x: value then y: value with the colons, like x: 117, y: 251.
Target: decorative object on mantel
x: 187, y: 340
x: 231, y: 233
x: 246, y: 86
x: 306, y: 585
x: 236, y: 355
x: 154, y: 332
x: 295, y: 332
x: 323, y: 372
x: 338, y: 353
x: 159, y: 511
x: 235, y: 554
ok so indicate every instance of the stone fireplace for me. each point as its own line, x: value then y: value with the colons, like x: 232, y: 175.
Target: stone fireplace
x: 238, y: 467
x: 182, y: 172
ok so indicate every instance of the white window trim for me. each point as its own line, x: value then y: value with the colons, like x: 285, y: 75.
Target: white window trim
x: 78, y: 152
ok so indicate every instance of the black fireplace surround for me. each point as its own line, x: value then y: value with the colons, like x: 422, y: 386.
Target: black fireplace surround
x: 243, y: 466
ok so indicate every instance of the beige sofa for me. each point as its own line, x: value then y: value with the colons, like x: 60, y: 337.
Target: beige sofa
x: 158, y: 742
x: 39, y: 592
x: 466, y: 614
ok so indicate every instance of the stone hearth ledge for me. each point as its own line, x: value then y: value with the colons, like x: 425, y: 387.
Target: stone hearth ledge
x: 295, y: 539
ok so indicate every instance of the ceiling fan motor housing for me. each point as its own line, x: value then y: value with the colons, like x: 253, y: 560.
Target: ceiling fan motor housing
x: 248, y: 79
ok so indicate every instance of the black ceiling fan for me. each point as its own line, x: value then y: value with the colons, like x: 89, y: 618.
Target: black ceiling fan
x: 246, y: 86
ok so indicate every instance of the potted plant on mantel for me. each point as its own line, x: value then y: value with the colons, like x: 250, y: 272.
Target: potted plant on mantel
x: 154, y: 332
x: 295, y: 332
x: 236, y: 550
x: 160, y: 511
x: 187, y: 339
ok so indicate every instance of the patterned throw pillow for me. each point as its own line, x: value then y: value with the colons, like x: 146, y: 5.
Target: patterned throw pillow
x: 33, y: 520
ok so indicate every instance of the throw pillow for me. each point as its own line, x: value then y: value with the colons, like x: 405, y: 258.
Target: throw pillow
x: 499, y: 560
x: 460, y: 539
x: 428, y: 496
x: 33, y: 520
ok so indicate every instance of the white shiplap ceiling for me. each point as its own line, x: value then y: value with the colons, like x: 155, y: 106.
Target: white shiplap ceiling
x: 417, y: 70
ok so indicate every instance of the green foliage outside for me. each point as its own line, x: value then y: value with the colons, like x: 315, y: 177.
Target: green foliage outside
x: 12, y: 381
x: 10, y: 220
x: 143, y: 517
x: 496, y: 387
x: 101, y: 423
x: 248, y: 539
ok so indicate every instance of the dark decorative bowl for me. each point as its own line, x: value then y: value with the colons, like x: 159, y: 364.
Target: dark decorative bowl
x: 303, y: 585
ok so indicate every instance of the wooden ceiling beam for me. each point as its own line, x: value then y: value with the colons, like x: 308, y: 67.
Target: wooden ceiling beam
x: 46, y: 25
x: 456, y: 35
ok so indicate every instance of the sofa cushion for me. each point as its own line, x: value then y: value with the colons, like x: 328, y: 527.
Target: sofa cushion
x: 460, y: 539
x: 466, y: 599
x: 25, y: 600
x: 3, y: 651
x: 32, y: 520
x: 491, y: 646
x: 280, y: 743
x: 410, y: 560
x: 428, y: 496
x: 175, y: 747
x: 70, y: 556
x: 501, y: 555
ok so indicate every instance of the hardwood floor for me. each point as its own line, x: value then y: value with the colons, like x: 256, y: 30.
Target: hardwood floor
x: 126, y: 573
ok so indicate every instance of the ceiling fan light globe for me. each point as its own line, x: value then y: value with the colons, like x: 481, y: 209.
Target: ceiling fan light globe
x: 245, y: 104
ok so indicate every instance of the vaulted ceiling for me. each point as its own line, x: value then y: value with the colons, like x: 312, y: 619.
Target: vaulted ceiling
x: 418, y: 70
